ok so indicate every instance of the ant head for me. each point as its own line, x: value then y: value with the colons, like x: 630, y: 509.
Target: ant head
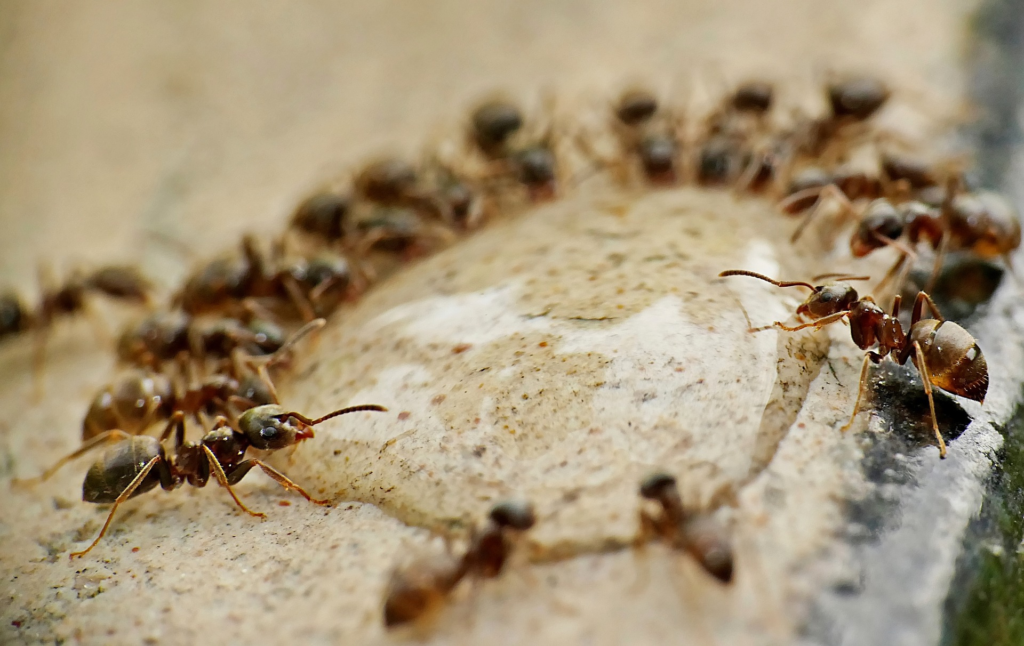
x: 494, y: 122
x: 828, y: 299
x: 655, y: 485
x: 271, y: 427
x: 754, y: 97
x: 323, y: 214
x: 513, y: 514
x: 857, y: 98
x: 636, y: 106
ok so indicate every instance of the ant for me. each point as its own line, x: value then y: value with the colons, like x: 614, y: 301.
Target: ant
x: 492, y: 124
x: 120, y: 283
x: 136, y: 399
x: 852, y: 101
x: 648, y: 132
x: 698, y: 534
x: 496, y: 130
x: 324, y: 215
x: 156, y: 339
x: 945, y: 354
x: 135, y: 464
x: 419, y: 588
x: 727, y: 153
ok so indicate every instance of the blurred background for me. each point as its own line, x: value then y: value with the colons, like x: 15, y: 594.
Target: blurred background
x: 129, y: 130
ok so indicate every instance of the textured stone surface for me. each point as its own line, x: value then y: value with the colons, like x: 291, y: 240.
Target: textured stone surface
x: 560, y: 355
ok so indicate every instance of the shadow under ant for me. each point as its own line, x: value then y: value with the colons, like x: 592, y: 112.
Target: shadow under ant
x: 899, y: 401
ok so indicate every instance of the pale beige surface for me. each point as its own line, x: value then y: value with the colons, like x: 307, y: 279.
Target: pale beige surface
x: 183, y: 119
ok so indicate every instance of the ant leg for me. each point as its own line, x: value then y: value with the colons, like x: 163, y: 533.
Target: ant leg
x: 922, y: 298
x: 87, y: 446
x: 926, y: 378
x: 940, y: 256
x: 125, y: 495
x: 648, y: 530
x: 860, y: 393
x: 279, y: 477
x: 817, y: 325
x: 830, y: 191
x: 218, y: 472
x: 299, y: 300
x: 39, y: 361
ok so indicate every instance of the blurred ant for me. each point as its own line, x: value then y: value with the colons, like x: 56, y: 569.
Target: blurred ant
x: 730, y: 153
x: 135, y: 464
x: 514, y: 152
x: 325, y: 215
x: 945, y: 354
x: 124, y: 284
x: 852, y: 101
x: 492, y: 124
x: 416, y: 590
x: 399, y: 230
x: 158, y: 338
x: 697, y: 534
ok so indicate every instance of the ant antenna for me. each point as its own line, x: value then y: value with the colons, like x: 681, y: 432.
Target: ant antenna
x: 777, y: 283
x: 839, y: 277
x: 343, y: 411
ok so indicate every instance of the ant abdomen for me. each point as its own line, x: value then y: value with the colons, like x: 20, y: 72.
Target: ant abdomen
x: 954, y: 360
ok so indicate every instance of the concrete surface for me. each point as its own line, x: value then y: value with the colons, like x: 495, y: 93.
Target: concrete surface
x: 126, y: 129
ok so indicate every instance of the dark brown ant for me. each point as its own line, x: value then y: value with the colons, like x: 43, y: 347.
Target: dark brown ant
x: 755, y: 97
x: 697, y: 534
x: 635, y: 107
x: 945, y: 354
x: 131, y: 403
x: 135, y: 464
x: 137, y: 399
x: 223, y: 282
x: 492, y: 125
x: 158, y: 338
x: 325, y: 215
x: 852, y: 101
x: 119, y: 283
x: 400, y: 230
x: 14, y: 317
x: 418, y: 589
x: 646, y: 133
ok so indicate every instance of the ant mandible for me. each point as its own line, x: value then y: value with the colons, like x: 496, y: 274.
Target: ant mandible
x: 945, y: 354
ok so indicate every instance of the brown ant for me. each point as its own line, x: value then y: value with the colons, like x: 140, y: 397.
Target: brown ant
x: 492, y: 125
x: 137, y: 399
x: 135, y: 464
x: 697, y: 534
x: 131, y: 403
x: 945, y: 354
x: 324, y: 215
x: 156, y: 339
x: 419, y: 588
x: 852, y: 101
x: 120, y: 283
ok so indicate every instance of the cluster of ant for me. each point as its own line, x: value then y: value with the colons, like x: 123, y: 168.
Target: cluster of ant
x: 417, y: 590
x: 209, y: 354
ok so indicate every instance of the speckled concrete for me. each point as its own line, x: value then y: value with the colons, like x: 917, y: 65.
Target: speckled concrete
x: 559, y: 355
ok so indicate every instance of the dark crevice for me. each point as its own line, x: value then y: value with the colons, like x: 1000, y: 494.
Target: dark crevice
x: 985, y: 604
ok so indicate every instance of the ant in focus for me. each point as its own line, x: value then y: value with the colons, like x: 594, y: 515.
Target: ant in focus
x: 418, y: 589
x: 698, y: 534
x: 945, y: 354
x: 135, y: 464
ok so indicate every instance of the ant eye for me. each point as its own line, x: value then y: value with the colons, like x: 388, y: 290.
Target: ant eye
x: 826, y: 297
x: 269, y: 433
